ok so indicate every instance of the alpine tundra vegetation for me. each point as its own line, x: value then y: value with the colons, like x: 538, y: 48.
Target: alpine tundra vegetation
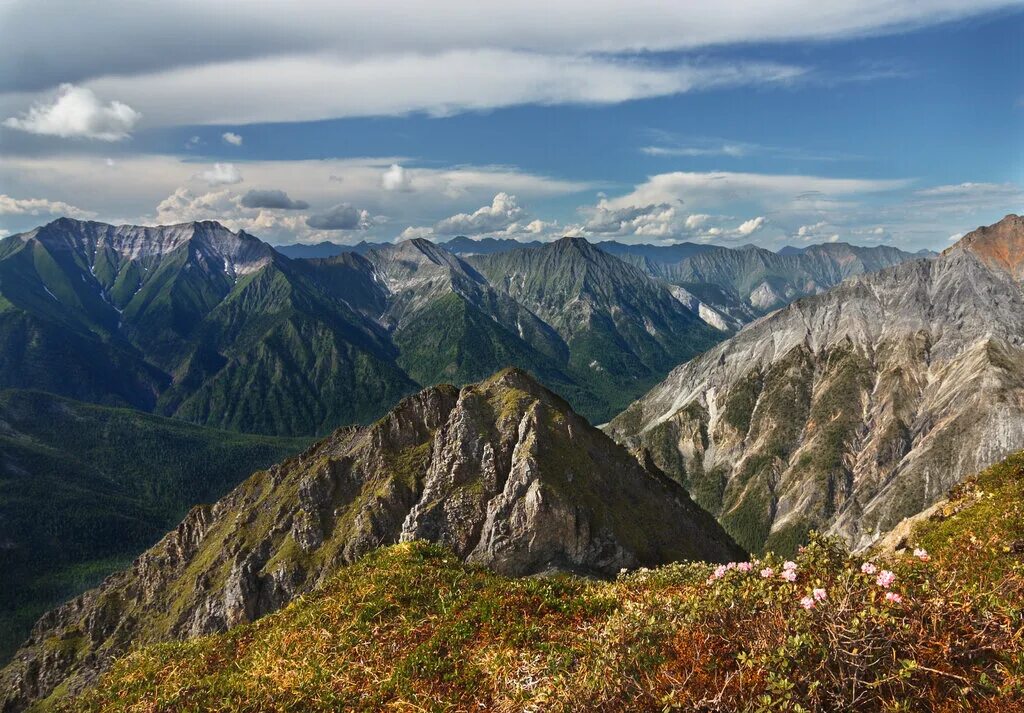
x: 932, y: 623
x: 531, y: 357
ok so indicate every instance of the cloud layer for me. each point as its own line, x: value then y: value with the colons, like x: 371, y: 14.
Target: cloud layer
x: 182, y: 33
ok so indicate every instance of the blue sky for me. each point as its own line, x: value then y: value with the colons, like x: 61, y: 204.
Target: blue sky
x: 773, y: 123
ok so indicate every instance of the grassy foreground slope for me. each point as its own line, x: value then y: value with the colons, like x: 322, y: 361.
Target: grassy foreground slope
x: 84, y: 489
x: 411, y: 628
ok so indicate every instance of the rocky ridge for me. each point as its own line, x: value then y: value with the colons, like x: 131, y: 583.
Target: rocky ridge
x: 850, y: 410
x: 502, y: 472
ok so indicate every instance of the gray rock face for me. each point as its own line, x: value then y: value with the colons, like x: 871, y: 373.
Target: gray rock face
x: 850, y: 410
x: 503, y: 472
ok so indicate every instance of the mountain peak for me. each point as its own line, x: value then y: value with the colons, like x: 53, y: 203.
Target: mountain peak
x: 1000, y: 245
x: 573, y: 242
x: 422, y: 252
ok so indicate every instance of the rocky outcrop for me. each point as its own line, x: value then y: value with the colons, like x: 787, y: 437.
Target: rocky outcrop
x: 503, y: 472
x: 850, y: 410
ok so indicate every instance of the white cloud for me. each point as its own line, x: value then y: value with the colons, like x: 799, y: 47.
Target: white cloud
x: 730, y: 150
x: 968, y: 197
x: 661, y: 223
x: 232, y: 138
x: 139, y: 183
x: 440, y: 83
x: 414, y: 232
x: 720, y: 188
x: 692, y: 206
x: 4, y: 233
x: 221, y: 174
x: 654, y: 219
x: 502, y: 213
x: 751, y: 226
x: 40, y: 206
x: 811, y: 232
x: 185, y: 205
x: 76, y: 112
x: 396, y: 178
x: 696, y: 220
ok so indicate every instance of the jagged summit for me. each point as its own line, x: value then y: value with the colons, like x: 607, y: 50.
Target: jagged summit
x: 502, y: 472
x: 238, y: 252
x: 1000, y: 245
x: 407, y: 257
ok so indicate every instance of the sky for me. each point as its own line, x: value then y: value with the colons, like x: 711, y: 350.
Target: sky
x: 772, y: 122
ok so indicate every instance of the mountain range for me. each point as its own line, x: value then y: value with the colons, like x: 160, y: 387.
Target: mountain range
x: 731, y: 286
x: 850, y: 410
x: 882, y: 380
x: 503, y: 473
x: 215, y: 327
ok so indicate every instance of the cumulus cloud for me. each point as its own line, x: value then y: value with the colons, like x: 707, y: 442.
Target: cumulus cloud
x: 662, y: 222
x: 273, y: 199
x: 340, y: 217
x: 40, y: 206
x: 130, y: 192
x: 696, y: 220
x: 396, y: 178
x: 184, y: 206
x: 653, y: 219
x: 751, y: 226
x: 76, y: 112
x: 502, y: 213
x: 414, y: 232
x: 232, y: 138
x: 226, y: 207
x: 221, y: 174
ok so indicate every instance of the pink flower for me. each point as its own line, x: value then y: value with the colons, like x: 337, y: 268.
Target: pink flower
x: 893, y: 597
x: 719, y: 572
x: 885, y: 578
x: 819, y: 594
x: 789, y: 565
x: 744, y: 566
x: 789, y: 575
x: 807, y: 603
x: 767, y: 572
x: 731, y: 565
x: 922, y: 554
x: 868, y: 568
